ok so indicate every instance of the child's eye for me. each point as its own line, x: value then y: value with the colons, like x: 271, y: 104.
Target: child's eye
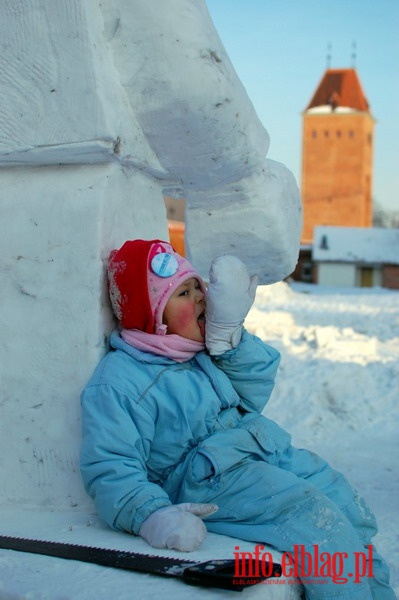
x: 184, y: 293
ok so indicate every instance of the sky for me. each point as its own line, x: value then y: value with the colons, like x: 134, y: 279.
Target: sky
x: 279, y: 49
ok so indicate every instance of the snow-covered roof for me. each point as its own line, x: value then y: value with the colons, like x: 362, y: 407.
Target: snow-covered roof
x: 356, y: 244
x: 327, y: 108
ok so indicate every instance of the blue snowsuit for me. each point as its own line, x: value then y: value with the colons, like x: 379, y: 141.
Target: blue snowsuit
x: 158, y: 432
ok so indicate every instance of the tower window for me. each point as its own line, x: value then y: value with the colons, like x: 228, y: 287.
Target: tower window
x: 338, y: 133
x: 351, y: 133
x: 326, y: 133
x: 314, y: 133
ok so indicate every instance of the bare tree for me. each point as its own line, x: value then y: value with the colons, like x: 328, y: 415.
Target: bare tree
x: 383, y: 217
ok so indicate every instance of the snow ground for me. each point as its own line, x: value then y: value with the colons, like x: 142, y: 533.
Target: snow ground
x: 336, y: 392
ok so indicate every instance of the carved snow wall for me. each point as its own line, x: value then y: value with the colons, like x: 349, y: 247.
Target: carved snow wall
x: 103, y: 108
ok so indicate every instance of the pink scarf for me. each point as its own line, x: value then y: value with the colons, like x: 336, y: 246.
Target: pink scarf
x: 173, y: 346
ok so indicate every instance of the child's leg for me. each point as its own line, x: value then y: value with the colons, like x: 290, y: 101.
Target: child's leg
x: 263, y: 503
x: 334, y: 485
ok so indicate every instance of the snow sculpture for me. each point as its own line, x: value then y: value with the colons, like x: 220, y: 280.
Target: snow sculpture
x: 201, y: 125
x: 104, y: 107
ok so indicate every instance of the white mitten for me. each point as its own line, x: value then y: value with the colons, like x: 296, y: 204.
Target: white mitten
x: 177, y: 526
x: 231, y: 293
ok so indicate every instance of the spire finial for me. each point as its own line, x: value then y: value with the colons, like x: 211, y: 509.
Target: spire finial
x: 353, y: 55
x: 328, y: 57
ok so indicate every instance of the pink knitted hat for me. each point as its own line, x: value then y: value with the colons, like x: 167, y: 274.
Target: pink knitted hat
x: 142, y: 277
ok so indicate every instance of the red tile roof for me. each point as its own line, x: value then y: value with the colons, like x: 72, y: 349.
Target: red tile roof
x: 340, y: 87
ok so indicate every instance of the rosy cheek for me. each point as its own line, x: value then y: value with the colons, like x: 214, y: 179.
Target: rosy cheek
x: 186, y: 315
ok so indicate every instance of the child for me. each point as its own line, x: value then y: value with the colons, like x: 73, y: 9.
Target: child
x: 173, y: 432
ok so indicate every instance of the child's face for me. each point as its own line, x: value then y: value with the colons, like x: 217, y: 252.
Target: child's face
x: 184, y: 312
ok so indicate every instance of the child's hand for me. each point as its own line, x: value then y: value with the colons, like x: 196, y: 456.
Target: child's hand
x: 231, y: 293
x: 177, y: 527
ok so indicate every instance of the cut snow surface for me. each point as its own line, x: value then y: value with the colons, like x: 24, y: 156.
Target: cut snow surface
x: 336, y: 392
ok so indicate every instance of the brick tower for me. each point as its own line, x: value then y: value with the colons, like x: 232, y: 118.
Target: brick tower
x: 337, y: 154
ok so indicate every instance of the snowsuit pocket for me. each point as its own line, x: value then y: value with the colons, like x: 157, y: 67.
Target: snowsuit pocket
x: 256, y: 438
x: 202, y: 467
x: 270, y: 436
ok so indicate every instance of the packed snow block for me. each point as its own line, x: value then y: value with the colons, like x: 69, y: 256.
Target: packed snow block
x: 205, y: 133
x: 48, y: 53
x: 251, y: 220
x: 62, y: 100
x: 105, y: 106
x: 58, y: 227
x: 78, y: 178
x: 25, y: 576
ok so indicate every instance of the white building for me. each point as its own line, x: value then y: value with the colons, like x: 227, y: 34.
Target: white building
x: 356, y: 256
